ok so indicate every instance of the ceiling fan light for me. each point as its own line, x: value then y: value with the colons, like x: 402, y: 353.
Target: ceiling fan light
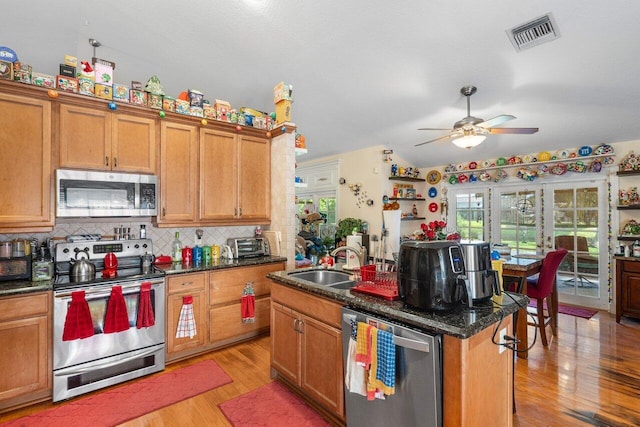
x: 469, y: 141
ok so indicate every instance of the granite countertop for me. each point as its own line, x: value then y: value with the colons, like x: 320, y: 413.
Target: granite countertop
x: 19, y: 287
x: 217, y: 264
x: 461, y: 323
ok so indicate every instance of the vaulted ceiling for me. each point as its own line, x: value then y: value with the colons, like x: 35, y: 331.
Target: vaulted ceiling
x: 368, y: 72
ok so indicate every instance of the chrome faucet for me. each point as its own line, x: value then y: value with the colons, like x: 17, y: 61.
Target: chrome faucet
x: 362, y: 253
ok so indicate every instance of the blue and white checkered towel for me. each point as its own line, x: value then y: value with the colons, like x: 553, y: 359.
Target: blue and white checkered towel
x: 386, y: 366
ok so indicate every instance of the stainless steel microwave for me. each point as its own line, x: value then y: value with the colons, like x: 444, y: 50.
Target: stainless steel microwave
x: 105, y: 194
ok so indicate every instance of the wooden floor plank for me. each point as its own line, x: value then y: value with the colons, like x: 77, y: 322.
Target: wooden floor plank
x: 588, y: 376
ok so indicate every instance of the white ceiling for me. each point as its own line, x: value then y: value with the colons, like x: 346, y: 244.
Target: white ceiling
x: 370, y: 72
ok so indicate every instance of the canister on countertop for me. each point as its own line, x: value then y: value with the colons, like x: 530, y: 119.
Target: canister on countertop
x: 215, y: 252
x: 197, y: 255
x: 5, y: 249
x: 206, y: 255
x: 17, y: 248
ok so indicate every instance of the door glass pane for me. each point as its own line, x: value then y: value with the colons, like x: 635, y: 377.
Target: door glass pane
x: 518, y: 221
x: 470, y: 220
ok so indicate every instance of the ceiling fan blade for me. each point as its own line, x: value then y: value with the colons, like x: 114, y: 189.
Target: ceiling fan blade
x: 498, y: 120
x: 513, y: 130
x: 434, y: 128
x: 437, y: 139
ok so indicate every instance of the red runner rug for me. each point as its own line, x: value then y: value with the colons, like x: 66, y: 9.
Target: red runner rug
x: 585, y: 313
x: 271, y: 405
x: 132, y: 400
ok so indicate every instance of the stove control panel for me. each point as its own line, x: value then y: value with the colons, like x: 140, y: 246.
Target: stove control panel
x: 122, y: 248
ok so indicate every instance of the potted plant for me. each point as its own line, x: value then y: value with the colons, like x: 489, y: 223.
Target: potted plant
x: 346, y: 226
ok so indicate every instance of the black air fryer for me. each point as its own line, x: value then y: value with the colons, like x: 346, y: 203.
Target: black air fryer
x: 431, y: 275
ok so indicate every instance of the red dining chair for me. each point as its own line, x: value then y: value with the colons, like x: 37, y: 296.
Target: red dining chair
x: 541, y: 288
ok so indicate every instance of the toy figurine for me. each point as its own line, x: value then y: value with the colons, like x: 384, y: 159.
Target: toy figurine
x: 394, y: 170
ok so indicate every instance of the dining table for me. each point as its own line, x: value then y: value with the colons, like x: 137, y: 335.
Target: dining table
x: 516, y: 270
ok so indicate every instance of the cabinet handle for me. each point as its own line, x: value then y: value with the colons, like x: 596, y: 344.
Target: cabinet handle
x: 164, y: 212
x: 301, y: 328
x: 115, y: 162
x: 106, y: 160
x: 240, y: 211
x: 187, y: 283
x: 295, y: 325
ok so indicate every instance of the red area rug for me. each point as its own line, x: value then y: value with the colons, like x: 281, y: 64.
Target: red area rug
x: 271, y: 405
x: 585, y: 313
x: 131, y: 400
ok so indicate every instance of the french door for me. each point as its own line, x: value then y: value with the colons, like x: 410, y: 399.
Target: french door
x: 575, y: 219
x: 536, y: 219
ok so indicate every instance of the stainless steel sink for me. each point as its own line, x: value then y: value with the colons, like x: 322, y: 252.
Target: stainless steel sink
x: 335, y: 279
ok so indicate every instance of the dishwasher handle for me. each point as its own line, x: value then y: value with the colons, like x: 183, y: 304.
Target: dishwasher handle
x: 422, y: 346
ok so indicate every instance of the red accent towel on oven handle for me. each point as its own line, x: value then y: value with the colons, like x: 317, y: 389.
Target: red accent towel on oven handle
x: 116, y: 318
x: 146, y: 317
x: 78, y: 323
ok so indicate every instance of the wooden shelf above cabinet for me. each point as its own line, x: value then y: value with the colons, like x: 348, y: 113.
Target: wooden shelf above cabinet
x: 406, y: 178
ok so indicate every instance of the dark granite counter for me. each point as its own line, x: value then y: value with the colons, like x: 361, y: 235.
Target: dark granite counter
x: 461, y: 323
x: 19, y: 287
x: 217, y: 264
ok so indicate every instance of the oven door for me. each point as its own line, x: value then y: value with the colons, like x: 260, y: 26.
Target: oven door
x: 101, y: 345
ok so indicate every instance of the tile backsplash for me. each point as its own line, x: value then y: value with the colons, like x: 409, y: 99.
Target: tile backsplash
x: 162, y: 237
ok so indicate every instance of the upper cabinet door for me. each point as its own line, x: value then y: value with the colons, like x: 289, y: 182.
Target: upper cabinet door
x: 218, y: 175
x: 85, y: 138
x: 25, y: 172
x: 133, y: 144
x: 178, y: 172
x: 254, y: 162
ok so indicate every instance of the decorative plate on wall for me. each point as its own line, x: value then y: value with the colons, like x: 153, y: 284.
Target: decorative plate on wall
x: 433, y: 177
x: 433, y: 192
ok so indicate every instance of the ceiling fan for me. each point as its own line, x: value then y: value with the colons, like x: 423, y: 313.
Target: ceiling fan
x: 471, y: 131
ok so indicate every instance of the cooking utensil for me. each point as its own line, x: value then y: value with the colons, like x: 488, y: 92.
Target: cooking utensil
x: 82, y: 270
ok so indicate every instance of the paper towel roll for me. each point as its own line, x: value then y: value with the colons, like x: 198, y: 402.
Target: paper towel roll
x: 392, y: 239
x: 352, y: 258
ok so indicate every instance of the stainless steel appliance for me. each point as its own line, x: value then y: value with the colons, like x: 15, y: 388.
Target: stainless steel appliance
x: 247, y: 247
x: 431, y: 275
x: 105, y: 194
x: 417, y: 400
x: 483, y: 279
x: 102, y: 359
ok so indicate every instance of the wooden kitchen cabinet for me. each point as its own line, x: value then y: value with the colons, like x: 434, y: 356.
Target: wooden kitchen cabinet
x: 306, y: 346
x: 92, y: 138
x: 26, y: 357
x: 235, y: 177
x: 627, y: 288
x: 26, y: 168
x: 178, y: 173
x: 225, y: 294
x: 179, y: 286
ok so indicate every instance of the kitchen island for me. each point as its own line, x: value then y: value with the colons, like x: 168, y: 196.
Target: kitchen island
x: 477, y: 383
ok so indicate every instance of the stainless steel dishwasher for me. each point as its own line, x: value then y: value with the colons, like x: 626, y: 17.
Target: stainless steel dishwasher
x: 417, y: 400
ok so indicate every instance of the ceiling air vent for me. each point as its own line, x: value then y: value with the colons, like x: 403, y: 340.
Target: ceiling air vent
x: 534, y: 32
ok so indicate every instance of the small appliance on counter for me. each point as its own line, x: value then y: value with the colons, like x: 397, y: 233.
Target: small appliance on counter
x: 431, y: 275
x: 248, y: 247
x: 483, y: 279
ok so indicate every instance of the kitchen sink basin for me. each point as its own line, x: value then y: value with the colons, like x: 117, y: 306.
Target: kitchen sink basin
x: 325, y: 277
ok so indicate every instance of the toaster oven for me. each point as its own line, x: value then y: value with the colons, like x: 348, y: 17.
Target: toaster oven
x: 247, y: 247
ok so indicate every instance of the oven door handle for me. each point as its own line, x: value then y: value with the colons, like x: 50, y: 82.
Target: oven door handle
x: 76, y: 370
x: 104, y: 293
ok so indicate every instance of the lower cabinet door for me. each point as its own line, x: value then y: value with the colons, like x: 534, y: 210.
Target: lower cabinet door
x: 174, y: 307
x: 285, y: 355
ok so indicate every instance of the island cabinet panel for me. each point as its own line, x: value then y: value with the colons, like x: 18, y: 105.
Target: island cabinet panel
x: 25, y: 358
x: 92, y: 138
x: 476, y: 390
x: 306, y: 346
x: 178, y: 173
x: 26, y: 164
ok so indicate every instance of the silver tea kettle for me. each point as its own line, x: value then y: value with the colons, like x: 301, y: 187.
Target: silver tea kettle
x: 82, y: 270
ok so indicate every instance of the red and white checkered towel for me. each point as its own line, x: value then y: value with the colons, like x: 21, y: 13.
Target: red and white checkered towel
x: 186, y: 321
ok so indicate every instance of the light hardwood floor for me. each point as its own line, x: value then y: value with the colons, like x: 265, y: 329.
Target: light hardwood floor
x: 589, y: 375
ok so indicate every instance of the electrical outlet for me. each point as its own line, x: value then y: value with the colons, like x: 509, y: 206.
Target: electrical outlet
x: 502, y: 341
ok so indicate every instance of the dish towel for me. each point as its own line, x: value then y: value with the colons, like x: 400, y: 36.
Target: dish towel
x: 186, y: 321
x: 355, y: 378
x: 363, y: 348
x: 248, y: 304
x: 78, y: 323
x: 145, y: 309
x: 385, y: 368
x: 116, y: 319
